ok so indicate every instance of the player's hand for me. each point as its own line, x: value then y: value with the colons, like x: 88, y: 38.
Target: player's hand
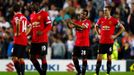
x: 99, y: 36
x: 113, y: 36
x: 18, y: 21
x: 79, y: 29
x: 70, y: 22
x: 39, y: 33
x: 16, y: 34
x: 70, y: 25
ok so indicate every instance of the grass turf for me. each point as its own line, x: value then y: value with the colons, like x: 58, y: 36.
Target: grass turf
x: 67, y: 73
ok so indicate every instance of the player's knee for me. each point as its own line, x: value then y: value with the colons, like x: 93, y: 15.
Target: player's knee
x: 21, y: 60
x: 84, y: 60
x: 14, y: 59
x: 43, y: 57
x: 99, y: 57
x: 74, y: 57
x: 109, y: 58
x: 32, y: 58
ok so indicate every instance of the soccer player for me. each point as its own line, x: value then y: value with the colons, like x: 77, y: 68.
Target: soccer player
x: 20, y: 28
x: 105, y: 28
x: 82, y: 43
x: 41, y: 25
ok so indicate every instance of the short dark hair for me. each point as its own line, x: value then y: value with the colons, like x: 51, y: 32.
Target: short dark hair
x: 16, y: 7
x: 132, y: 3
x: 34, y: 7
x: 86, y: 12
x: 109, y: 7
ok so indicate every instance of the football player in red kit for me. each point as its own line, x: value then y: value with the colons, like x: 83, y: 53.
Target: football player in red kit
x: 82, y: 42
x: 20, y: 28
x: 41, y: 25
x: 105, y: 28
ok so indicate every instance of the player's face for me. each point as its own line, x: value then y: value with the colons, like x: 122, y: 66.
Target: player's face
x: 83, y: 15
x: 106, y: 12
x: 133, y: 7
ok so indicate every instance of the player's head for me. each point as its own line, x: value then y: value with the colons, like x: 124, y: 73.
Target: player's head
x: 84, y: 14
x: 107, y: 10
x: 16, y: 8
x: 132, y: 6
x: 34, y: 7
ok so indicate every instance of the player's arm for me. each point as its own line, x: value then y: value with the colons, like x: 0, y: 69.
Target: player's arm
x: 120, y: 31
x: 47, y: 22
x: 48, y: 27
x: 77, y: 25
x: 69, y: 25
x: 17, y: 27
x: 97, y: 29
x: 29, y: 27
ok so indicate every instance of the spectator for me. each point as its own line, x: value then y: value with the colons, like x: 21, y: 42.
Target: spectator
x: 58, y: 48
x: 53, y: 12
x: 131, y: 19
x: 124, y: 13
x: 70, y: 46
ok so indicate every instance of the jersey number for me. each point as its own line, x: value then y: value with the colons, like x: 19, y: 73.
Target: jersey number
x: 24, y: 24
x: 83, y: 52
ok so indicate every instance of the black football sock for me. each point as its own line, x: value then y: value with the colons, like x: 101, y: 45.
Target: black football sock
x: 44, y: 68
x: 44, y: 65
x: 108, y: 66
x: 84, y: 66
x: 17, y: 67
x: 76, y: 64
x: 98, y: 65
x: 22, y: 68
x: 36, y: 65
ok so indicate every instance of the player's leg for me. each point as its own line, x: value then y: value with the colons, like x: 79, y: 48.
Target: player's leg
x: 109, y: 52
x: 44, y: 65
x: 36, y: 64
x: 76, y: 53
x: 98, y: 64
x: 99, y: 57
x: 43, y: 58
x: 16, y: 64
x: 109, y: 64
x: 21, y: 59
x: 22, y: 66
x: 33, y: 53
x: 15, y: 60
x: 84, y: 53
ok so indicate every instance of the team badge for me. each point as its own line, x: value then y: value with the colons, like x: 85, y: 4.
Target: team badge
x: 39, y: 17
x: 110, y: 22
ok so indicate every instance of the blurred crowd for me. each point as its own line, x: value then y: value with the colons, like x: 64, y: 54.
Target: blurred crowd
x: 61, y: 38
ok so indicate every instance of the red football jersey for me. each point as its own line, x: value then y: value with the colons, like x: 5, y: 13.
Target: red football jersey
x: 40, y: 22
x: 22, y: 38
x: 82, y: 36
x: 107, y: 29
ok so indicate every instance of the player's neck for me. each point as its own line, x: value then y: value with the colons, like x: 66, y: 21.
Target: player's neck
x: 109, y: 16
x: 17, y: 13
x: 83, y: 19
x: 34, y: 12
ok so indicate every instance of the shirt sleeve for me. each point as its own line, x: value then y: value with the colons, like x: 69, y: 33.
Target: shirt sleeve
x: 47, y: 18
x: 98, y: 22
x: 47, y: 22
x: 87, y: 24
x: 117, y: 23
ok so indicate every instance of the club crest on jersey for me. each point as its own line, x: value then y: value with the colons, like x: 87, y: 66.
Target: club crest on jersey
x: 102, y: 22
x: 39, y: 17
x: 105, y: 27
x: 110, y: 22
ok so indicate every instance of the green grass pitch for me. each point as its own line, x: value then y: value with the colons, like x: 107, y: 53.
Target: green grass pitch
x: 67, y: 73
